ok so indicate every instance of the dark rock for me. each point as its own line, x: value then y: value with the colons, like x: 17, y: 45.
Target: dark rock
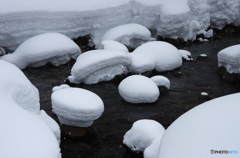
x: 232, y: 78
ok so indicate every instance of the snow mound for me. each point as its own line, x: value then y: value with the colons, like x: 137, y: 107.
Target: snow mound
x: 39, y: 50
x: 210, y: 126
x: 142, y: 134
x: 229, y: 58
x: 131, y: 35
x: 167, y: 57
x: 99, y: 65
x: 152, y: 150
x: 76, y: 106
x: 138, y: 89
x: 161, y: 81
x: 24, y: 132
x: 60, y: 87
x: 186, y: 55
x: 112, y: 45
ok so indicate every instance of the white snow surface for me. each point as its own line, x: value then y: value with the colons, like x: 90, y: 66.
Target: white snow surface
x: 142, y: 134
x: 112, y: 45
x: 23, y: 134
x: 167, y: 56
x: 45, y: 48
x: 185, y: 54
x: 76, y: 106
x: 161, y: 81
x: 229, y: 58
x: 99, y: 65
x: 131, y: 35
x: 174, y: 18
x: 138, y: 89
x: 152, y: 150
x: 210, y: 126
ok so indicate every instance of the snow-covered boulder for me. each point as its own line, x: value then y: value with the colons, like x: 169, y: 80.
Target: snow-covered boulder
x: 161, y: 81
x: 131, y: 35
x: 24, y: 134
x: 200, y: 132
x: 138, y: 89
x: 112, y: 45
x: 229, y: 58
x: 99, y: 65
x: 185, y: 54
x: 39, y: 50
x: 142, y: 134
x: 167, y: 57
x: 77, y: 107
x: 152, y: 150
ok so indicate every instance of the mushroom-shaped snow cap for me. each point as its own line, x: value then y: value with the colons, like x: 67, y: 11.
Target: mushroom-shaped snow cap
x: 131, y: 35
x: 54, y: 48
x: 112, y: 45
x: 142, y: 134
x: 138, y: 89
x: 161, y: 81
x: 229, y: 58
x: 166, y: 55
x: 77, y: 107
x: 99, y: 65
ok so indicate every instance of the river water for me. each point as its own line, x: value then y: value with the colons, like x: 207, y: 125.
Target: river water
x: 104, y: 138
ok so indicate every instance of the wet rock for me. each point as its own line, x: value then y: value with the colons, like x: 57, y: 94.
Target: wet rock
x: 232, y: 78
x: 202, y: 57
x: 204, y: 97
x: 85, y: 43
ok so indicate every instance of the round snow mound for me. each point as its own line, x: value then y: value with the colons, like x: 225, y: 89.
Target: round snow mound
x: 138, y: 89
x: 142, y: 134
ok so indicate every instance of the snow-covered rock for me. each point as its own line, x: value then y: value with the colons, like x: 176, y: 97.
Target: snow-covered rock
x: 77, y: 107
x: 161, y: 81
x: 112, y: 45
x: 186, y: 54
x: 45, y: 48
x: 99, y: 65
x: 152, y: 150
x: 167, y: 57
x: 60, y: 87
x: 23, y: 133
x: 210, y: 126
x: 229, y: 58
x: 142, y: 134
x: 138, y: 89
x: 131, y: 35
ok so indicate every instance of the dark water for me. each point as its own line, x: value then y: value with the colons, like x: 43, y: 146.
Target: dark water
x: 187, y: 83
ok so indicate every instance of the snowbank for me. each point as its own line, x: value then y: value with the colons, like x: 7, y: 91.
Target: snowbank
x: 209, y: 127
x: 45, y: 48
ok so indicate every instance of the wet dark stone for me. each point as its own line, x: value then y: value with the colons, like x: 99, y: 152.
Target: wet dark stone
x: 163, y: 90
x: 232, y: 78
x: 204, y: 98
x: 85, y: 43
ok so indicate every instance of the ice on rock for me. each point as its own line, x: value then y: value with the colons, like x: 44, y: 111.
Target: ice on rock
x: 77, y: 107
x: 112, y: 45
x: 142, y: 134
x: 161, y: 81
x: 229, y: 58
x: 23, y: 131
x: 39, y: 50
x: 210, y: 126
x: 131, y: 35
x: 99, y: 65
x: 138, y: 89
x: 186, y: 54
x: 167, y: 56
x: 152, y: 150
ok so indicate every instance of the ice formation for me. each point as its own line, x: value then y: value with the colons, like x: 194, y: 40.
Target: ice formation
x: 142, y: 134
x: 76, y: 107
x: 99, y: 65
x: 131, y: 35
x: 229, y: 58
x: 112, y: 45
x: 45, y: 48
x: 161, y: 81
x: 186, y: 54
x: 152, y: 150
x: 209, y: 126
x: 24, y: 134
x: 174, y: 18
x: 167, y: 57
x: 138, y: 89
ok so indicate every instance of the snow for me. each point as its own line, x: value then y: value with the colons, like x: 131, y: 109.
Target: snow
x: 210, y: 126
x: 152, y: 150
x: 62, y: 86
x: 24, y: 134
x: 112, y: 45
x: 131, y: 35
x: 77, y: 107
x: 203, y: 55
x: 142, y: 134
x: 161, y: 81
x: 99, y: 65
x: 204, y: 93
x: 167, y: 56
x: 229, y: 58
x: 186, y: 54
x: 138, y: 89
x: 45, y: 48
